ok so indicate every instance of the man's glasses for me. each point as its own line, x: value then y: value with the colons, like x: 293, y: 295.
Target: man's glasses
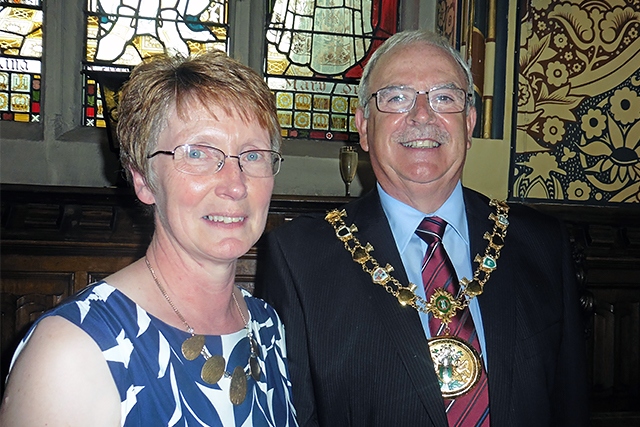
x: 195, y: 159
x: 400, y: 99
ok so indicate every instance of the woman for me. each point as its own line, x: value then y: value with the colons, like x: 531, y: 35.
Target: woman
x: 170, y: 339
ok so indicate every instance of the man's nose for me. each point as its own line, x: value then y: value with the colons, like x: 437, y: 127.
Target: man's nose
x: 422, y: 111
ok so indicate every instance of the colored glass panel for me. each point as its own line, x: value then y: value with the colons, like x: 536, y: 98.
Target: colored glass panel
x: 20, y: 60
x: 119, y: 36
x: 316, y: 50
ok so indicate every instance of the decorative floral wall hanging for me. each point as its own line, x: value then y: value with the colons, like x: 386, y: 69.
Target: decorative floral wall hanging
x: 578, y: 104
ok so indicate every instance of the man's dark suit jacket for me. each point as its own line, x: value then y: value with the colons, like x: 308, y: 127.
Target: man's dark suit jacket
x: 358, y: 358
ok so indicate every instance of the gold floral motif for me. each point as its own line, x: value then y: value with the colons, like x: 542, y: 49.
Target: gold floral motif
x: 612, y: 161
x: 284, y: 100
x: 578, y: 190
x: 593, y: 123
x: 625, y: 106
x: 339, y: 104
x: 303, y: 120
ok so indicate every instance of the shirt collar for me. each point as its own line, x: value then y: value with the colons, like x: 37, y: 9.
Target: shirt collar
x: 404, y: 219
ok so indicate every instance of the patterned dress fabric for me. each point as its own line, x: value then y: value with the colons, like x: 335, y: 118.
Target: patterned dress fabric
x: 159, y: 387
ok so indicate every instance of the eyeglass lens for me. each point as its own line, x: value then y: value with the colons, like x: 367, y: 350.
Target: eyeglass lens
x: 205, y: 160
x: 402, y: 99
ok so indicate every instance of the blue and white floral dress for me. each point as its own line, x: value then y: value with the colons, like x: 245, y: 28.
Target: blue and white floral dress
x: 158, y: 386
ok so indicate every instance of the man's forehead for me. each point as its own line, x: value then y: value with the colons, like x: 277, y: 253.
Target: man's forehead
x: 397, y: 67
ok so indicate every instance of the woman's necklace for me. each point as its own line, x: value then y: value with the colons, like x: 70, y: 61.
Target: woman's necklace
x: 214, y: 366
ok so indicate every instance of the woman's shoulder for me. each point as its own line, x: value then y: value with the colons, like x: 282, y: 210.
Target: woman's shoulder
x: 72, y: 313
x: 61, y: 366
x: 92, y: 298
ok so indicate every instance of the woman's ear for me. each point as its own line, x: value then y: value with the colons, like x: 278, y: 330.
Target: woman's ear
x: 142, y: 188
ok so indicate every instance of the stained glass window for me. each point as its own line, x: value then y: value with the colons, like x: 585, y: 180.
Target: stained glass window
x: 316, y: 50
x: 20, y: 60
x: 121, y: 33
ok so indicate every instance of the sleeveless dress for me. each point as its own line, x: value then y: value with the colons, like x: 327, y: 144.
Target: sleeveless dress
x: 158, y: 386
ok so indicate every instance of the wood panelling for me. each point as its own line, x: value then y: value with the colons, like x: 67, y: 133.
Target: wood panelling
x: 56, y: 240
x: 607, y: 254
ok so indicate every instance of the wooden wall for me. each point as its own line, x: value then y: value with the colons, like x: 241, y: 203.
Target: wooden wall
x: 56, y: 240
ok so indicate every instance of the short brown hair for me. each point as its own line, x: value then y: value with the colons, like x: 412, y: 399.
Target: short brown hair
x: 211, y: 78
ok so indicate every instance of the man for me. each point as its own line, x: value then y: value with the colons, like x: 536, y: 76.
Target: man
x: 361, y: 345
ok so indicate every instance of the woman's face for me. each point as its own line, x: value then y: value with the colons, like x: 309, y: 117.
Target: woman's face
x: 210, y: 217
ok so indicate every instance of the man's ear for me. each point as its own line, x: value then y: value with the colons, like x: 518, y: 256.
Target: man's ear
x: 142, y: 188
x: 361, y: 125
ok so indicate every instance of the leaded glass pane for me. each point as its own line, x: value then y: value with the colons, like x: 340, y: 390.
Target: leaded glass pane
x: 316, y: 50
x: 121, y: 33
x: 20, y: 60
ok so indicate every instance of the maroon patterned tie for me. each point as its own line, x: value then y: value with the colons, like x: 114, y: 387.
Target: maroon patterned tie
x: 472, y: 409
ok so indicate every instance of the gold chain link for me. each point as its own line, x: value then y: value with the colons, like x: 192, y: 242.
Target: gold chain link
x: 441, y: 304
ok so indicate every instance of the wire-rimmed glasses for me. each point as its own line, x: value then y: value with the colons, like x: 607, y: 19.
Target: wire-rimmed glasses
x: 196, y: 159
x: 400, y: 99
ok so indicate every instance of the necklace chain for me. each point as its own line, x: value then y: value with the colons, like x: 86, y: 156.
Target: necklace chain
x: 173, y: 306
x: 441, y: 304
x: 214, y: 367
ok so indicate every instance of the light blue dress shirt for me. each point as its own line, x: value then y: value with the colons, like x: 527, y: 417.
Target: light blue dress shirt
x: 404, y: 221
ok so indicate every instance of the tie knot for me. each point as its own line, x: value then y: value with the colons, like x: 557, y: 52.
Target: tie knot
x: 431, y: 229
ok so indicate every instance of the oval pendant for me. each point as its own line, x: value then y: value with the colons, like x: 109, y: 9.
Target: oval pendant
x: 255, y: 350
x: 213, y: 369
x: 192, y: 347
x: 255, y: 368
x: 238, y: 388
x: 457, y: 365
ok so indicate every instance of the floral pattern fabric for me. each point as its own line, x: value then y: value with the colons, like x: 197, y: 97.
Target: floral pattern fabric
x: 158, y: 386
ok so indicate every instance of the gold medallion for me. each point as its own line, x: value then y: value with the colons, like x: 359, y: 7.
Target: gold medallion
x: 192, y: 347
x: 457, y: 365
x: 238, y: 388
x: 213, y: 369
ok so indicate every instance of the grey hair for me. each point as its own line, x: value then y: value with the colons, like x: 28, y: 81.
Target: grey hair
x: 406, y: 38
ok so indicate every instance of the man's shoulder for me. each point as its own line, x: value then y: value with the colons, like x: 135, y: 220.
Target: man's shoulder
x: 315, y: 223
x: 517, y: 210
x: 303, y: 224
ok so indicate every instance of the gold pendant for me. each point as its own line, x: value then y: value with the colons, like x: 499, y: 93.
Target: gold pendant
x: 238, y: 388
x: 192, y: 346
x: 443, y: 305
x: 213, y: 369
x: 255, y: 368
x: 457, y: 365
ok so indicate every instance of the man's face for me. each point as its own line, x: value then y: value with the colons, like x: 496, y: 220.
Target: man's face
x: 418, y: 155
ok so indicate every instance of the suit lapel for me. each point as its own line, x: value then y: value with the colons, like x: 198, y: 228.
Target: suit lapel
x: 401, y: 324
x: 496, y: 307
